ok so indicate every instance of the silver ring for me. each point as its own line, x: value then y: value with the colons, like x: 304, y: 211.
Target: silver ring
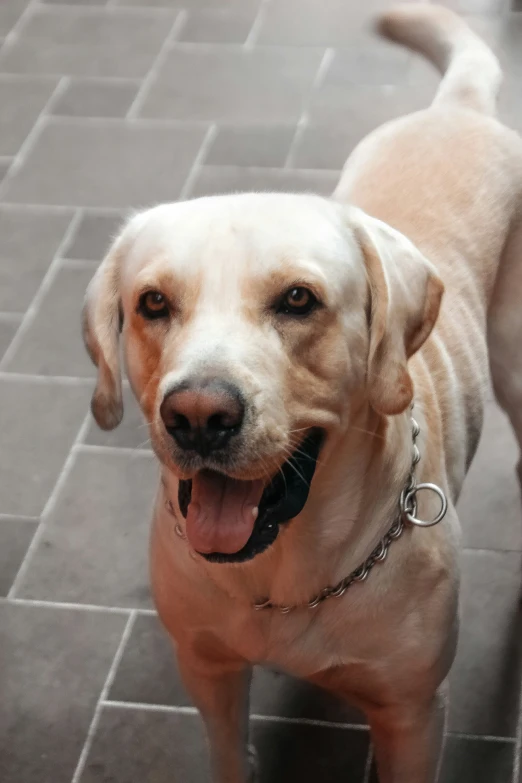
x: 410, y: 498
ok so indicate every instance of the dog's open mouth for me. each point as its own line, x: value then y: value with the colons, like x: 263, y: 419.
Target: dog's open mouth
x: 230, y: 521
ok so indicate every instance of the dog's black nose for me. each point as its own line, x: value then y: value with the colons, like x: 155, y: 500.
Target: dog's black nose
x: 203, y: 417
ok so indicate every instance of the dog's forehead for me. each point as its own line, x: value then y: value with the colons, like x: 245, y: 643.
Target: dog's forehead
x: 253, y: 231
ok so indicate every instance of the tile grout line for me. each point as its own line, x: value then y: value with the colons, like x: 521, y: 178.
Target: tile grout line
x: 46, y: 283
x: 304, y: 119
x: 152, y: 74
x: 116, y: 10
x: 33, y: 135
x: 73, y: 380
x: 43, y: 380
x: 51, y: 501
x: 368, y: 768
x: 517, y: 749
x: 137, y: 122
x: 300, y: 128
x: 189, y: 710
x: 104, y: 692
x: 81, y: 264
x: 71, y: 605
x: 21, y: 518
x: 117, y: 451
x: 251, y: 39
x: 13, y: 33
x: 54, y: 209
x: 199, y: 160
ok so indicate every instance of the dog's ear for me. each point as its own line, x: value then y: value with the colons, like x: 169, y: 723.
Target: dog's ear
x: 405, y: 296
x: 102, y: 323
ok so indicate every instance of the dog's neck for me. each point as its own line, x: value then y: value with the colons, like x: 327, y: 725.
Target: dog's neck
x: 352, y: 504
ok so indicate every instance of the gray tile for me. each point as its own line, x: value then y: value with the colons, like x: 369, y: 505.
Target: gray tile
x: 260, y: 145
x: 86, y: 42
x: 486, y: 675
x: 222, y: 179
x: 10, y: 12
x: 132, y: 433
x: 170, y: 748
x: 106, y: 164
x: 372, y: 62
x: 231, y: 84
x: 53, y: 344
x: 274, y: 693
x: 74, y: 2
x: 28, y: 243
x: 193, y: 5
x: 476, y: 6
x: 22, y: 102
x: 8, y: 328
x: 476, y: 761
x: 84, y: 98
x: 131, y: 746
x: 307, y: 754
x: 39, y: 423
x: 328, y: 23
x: 148, y: 674
x: 217, y: 26
x: 362, y: 108
x: 5, y: 165
x: 325, y: 146
x: 93, y: 237
x: 468, y: 760
x: 15, y: 537
x: 54, y: 663
x: 95, y: 545
x: 489, y: 508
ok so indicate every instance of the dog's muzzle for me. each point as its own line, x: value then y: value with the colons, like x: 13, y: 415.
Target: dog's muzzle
x: 242, y: 517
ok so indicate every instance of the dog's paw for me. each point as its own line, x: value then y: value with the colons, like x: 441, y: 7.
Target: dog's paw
x: 253, y: 764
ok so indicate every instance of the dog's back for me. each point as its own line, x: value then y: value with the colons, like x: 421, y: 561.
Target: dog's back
x: 450, y: 178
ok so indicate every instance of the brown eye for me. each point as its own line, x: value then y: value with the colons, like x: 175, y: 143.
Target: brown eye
x: 153, y: 305
x: 297, y: 301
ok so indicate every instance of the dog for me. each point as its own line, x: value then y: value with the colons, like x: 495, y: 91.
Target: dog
x: 314, y: 373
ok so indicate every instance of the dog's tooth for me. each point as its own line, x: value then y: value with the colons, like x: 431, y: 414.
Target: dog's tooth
x: 255, y: 512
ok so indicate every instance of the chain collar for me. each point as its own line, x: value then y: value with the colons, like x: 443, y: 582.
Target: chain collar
x: 407, y: 514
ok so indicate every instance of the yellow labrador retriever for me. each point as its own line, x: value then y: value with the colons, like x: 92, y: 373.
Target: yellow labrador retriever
x: 277, y: 344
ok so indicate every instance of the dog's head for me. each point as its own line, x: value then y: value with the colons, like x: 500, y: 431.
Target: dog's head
x: 249, y: 324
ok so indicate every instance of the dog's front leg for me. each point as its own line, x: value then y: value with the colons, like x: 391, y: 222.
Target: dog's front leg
x: 220, y: 692
x: 408, y: 740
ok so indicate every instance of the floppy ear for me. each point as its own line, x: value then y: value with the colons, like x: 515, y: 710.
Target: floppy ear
x: 101, y: 332
x: 406, y: 293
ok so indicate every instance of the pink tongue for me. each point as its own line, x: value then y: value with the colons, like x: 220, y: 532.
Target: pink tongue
x: 220, y: 516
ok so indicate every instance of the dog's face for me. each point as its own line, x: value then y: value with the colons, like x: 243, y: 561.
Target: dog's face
x: 249, y: 323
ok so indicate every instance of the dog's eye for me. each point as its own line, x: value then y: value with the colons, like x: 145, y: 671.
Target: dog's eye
x: 153, y: 305
x: 297, y: 301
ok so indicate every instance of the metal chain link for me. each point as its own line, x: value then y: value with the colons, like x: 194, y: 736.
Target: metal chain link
x: 407, y: 513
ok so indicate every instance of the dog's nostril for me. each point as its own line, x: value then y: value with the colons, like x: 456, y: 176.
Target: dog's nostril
x: 203, y: 417
x: 222, y: 421
x: 180, y: 422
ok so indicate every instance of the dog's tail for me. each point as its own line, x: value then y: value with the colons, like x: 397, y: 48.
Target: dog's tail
x: 471, y: 72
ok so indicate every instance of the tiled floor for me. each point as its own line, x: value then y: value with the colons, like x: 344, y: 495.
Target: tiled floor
x: 111, y: 104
